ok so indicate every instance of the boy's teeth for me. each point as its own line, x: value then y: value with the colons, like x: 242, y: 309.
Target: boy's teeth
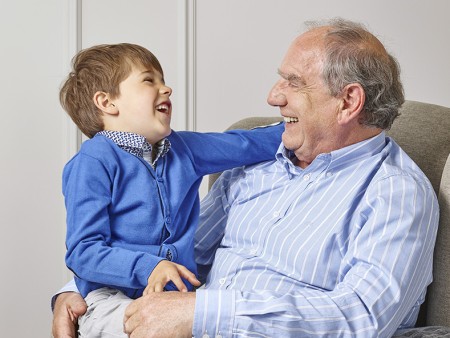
x: 290, y: 119
x: 162, y: 107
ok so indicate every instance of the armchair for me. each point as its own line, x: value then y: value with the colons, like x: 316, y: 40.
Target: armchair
x: 423, y: 131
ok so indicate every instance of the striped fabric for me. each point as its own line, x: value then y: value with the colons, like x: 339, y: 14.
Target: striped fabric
x: 342, y: 248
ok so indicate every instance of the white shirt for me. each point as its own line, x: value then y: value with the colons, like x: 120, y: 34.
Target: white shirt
x: 341, y: 248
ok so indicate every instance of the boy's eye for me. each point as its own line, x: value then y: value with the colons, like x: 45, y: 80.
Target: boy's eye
x: 148, y: 79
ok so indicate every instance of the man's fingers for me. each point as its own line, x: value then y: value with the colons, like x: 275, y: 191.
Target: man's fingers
x: 129, y: 324
x: 130, y: 310
x: 78, y: 308
x: 132, y: 315
x: 68, y: 307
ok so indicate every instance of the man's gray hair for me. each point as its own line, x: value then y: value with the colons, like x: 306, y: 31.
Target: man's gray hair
x: 354, y: 55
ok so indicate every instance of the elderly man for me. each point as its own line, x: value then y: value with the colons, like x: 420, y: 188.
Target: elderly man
x: 334, y: 237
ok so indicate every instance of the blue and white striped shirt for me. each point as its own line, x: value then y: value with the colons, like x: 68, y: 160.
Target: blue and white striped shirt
x: 341, y: 248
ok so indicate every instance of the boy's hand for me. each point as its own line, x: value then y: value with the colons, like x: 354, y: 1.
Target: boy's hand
x: 167, y: 271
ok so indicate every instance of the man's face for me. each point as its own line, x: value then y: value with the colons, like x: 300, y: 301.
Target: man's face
x: 304, y: 100
x: 144, y: 105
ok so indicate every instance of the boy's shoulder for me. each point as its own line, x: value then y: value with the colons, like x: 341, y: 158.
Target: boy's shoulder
x: 98, y: 147
x: 97, y: 144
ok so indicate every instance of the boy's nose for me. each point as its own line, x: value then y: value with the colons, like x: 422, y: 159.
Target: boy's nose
x: 165, y: 90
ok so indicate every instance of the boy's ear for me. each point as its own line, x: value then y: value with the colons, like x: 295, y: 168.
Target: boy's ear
x: 103, y: 102
x: 352, y: 103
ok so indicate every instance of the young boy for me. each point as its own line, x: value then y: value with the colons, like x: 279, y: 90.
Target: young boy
x: 131, y: 193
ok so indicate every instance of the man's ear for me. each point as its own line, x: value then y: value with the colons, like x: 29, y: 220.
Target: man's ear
x: 103, y: 102
x: 353, y: 98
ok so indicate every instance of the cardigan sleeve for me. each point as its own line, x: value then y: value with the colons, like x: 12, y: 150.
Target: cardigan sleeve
x: 216, y: 152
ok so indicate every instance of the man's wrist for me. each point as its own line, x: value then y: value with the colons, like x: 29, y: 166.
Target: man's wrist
x: 69, y: 287
x: 214, y: 313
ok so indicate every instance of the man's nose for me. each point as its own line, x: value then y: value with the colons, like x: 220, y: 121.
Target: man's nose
x: 276, y: 96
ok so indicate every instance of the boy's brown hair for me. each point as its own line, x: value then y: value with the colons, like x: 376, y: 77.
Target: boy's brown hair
x: 100, y: 68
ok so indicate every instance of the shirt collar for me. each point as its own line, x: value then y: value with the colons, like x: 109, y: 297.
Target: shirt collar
x: 358, y: 151
x: 136, y: 144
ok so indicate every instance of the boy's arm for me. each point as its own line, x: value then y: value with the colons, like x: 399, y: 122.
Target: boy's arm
x: 87, y: 190
x: 215, y: 152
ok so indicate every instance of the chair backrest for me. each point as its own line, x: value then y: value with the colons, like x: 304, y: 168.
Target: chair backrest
x: 438, y: 298
x: 423, y: 131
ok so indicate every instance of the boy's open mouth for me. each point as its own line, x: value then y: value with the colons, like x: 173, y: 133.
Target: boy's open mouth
x: 163, y: 107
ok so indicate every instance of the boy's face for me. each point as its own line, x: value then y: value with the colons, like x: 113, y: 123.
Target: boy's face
x: 143, y: 105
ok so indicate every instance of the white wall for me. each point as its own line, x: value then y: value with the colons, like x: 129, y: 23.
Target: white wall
x: 220, y: 57
x: 34, y: 143
x: 240, y: 45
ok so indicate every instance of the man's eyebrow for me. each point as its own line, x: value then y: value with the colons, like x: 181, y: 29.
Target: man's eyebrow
x: 291, y: 77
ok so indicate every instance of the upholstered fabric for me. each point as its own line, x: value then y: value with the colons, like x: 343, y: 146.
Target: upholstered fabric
x: 423, y: 131
x: 422, y: 332
x: 438, y: 310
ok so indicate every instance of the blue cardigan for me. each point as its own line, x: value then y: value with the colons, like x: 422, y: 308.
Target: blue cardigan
x: 124, y: 217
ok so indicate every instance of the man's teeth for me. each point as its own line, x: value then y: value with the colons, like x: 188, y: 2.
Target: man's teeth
x: 290, y: 119
x: 162, y: 108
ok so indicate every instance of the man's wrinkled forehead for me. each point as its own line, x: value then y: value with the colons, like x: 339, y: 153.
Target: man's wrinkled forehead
x: 303, y: 55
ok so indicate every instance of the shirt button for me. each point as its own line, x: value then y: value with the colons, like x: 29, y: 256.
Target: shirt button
x: 329, y: 174
x: 159, y: 179
x: 219, y: 336
x: 306, y: 177
x: 222, y: 281
x: 253, y: 251
x: 168, y: 220
x: 205, y: 335
x: 276, y: 214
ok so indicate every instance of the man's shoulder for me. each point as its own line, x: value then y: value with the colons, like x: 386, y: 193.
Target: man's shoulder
x: 399, y: 163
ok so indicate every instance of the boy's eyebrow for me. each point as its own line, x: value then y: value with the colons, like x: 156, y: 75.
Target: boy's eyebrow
x: 153, y: 73
x: 150, y: 72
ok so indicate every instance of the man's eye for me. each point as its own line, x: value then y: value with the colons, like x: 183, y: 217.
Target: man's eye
x: 293, y: 84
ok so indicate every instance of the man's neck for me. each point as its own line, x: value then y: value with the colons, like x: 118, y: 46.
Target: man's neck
x: 364, y: 133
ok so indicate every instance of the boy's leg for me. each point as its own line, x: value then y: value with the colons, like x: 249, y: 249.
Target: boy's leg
x: 104, y: 316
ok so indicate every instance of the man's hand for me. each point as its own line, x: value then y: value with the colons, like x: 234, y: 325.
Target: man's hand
x: 162, y: 314
x: 166, y: 271
x: 68, y: 307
